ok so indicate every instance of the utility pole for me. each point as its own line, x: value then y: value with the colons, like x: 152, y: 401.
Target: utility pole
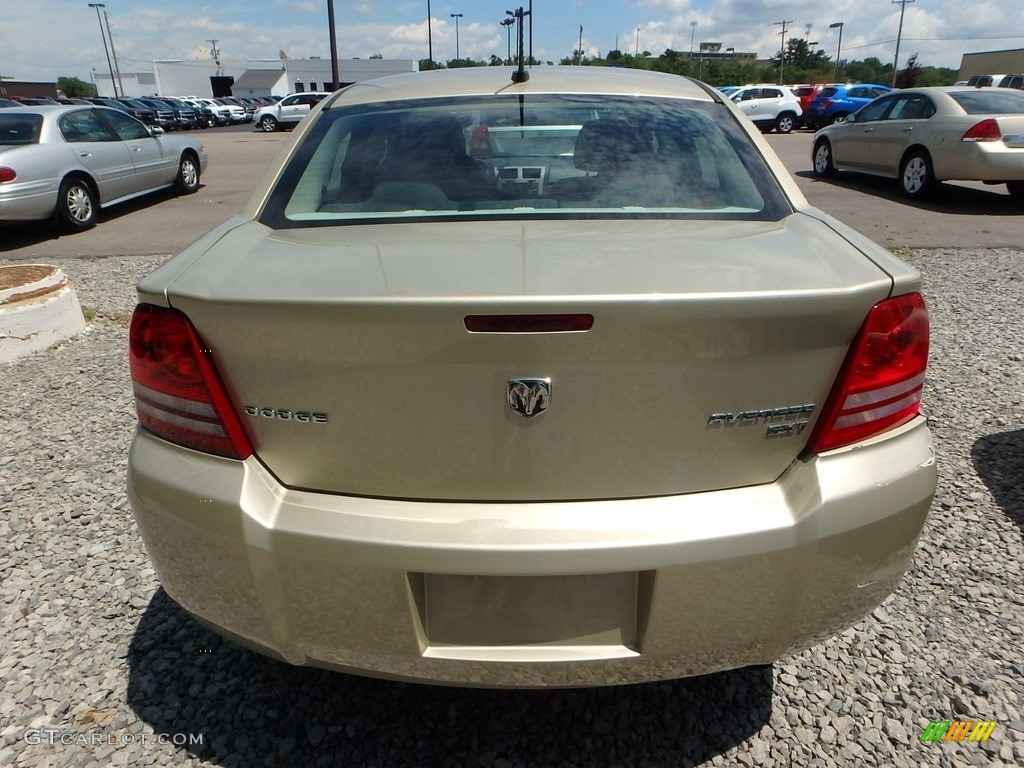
x: 113, y: 83
x: 579, y: 51
x: 113, y: 52
x: 636, y: 51
x: 782, y: 53
x: 214, y: 52
x: 899, y: 35
x: 693, y: 28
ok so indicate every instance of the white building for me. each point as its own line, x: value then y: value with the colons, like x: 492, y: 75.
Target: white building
x: 247, y: 77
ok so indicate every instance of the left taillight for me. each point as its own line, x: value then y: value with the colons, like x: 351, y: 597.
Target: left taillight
x: 986, y: 130
x: 7, y: 174
x: 178, y: 393
x: 879, y: 385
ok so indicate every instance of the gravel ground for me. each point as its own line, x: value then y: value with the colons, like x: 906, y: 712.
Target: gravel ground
x: 99, y: 667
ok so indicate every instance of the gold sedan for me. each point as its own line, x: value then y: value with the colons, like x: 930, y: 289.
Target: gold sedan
x: 545, y: 381
x: 922, y: 136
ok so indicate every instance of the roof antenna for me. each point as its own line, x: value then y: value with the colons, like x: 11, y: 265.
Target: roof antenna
x: 520, y: 75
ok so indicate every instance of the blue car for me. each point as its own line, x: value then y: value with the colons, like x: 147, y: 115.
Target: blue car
x: 834, y: 102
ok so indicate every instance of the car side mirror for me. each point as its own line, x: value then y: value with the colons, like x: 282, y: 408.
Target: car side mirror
x: 155, y: 130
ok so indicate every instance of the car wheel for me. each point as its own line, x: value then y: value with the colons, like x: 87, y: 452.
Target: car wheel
x: 838, y: 117
x: 916, y: 177
x: 1016, y: 189
x: 785, y: 123
x: 187, y: 180
x: 76, y: 205
x: 268, y: 124
x: 823, y: 165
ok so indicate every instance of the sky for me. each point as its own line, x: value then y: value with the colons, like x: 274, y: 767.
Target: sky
x: 44, y: 39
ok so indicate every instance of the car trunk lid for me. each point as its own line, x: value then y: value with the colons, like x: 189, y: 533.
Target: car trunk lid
x: 347, y: 354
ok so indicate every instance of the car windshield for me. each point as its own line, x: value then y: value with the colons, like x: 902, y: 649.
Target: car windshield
x: 20, y: 129
x: 545, y: 156
x: 990, y: 101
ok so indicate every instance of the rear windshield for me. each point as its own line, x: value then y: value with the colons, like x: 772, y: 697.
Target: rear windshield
x: 545, y: 156
x: 826, y: 92
x: 990, y: 101
x: 20, y: 129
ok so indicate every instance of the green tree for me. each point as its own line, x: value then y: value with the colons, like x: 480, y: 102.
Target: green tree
x: 870, y: 70
x: 72, y: 86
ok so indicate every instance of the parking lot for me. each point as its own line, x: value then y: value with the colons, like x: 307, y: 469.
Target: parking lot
x: 961, y: 215
x: 99, y: 667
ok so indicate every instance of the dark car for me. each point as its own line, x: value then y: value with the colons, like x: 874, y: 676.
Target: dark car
x: 834, y: 102
x: 166, y: 117
x: 9, y: 103
x: 140, y: 111
x: 184, y: 115
x: 35, y: 101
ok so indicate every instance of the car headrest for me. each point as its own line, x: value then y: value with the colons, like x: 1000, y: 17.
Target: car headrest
x: 604, y: 145
x: 432, y: 136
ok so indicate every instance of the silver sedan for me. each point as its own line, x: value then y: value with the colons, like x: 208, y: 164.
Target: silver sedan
x: 922, y: 136
x: 66, y: 163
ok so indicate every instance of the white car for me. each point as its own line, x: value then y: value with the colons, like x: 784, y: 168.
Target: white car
x: 769, y: 106
x: 224, y: 114
x: 288, y: 111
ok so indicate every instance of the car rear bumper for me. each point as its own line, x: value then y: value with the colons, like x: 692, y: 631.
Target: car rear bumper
x: 982, y: 161
x: 541, y: 594
x: 28, y: 201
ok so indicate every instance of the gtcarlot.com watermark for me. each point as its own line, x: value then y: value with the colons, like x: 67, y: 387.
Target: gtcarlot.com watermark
x: 54, y: 736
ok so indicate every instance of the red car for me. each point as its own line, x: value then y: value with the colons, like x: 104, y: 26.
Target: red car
x: 806, y: 94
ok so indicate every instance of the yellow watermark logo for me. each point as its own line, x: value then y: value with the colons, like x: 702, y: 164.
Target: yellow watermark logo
x: 958, y: 730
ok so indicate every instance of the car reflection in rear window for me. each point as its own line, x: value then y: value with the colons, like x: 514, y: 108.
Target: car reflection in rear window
x: 499, y: 157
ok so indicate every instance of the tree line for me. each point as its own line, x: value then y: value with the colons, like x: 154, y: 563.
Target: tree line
x: 799, y: 64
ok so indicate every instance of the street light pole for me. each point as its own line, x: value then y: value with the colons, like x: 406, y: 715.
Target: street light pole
x: 456, y: 16
x: 334, y: 45
x: 113, y: 83
x: 693, y: 29
x: 636, y: 51
x: 507, y: 24
x: 430, y: 39
x: 839, y: 47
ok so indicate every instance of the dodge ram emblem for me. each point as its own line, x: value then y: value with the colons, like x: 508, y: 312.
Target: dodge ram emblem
x: 528, y: 397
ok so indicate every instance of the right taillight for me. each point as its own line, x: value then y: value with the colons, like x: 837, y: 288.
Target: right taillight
x: 8, y: 174
x: 178, y: 394
x: 879, y: 385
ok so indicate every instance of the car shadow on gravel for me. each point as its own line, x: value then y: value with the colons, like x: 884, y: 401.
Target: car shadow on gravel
x: 23, y: 234
x: 999, y: 461
x: 253, y: 711
x: 945, y: 198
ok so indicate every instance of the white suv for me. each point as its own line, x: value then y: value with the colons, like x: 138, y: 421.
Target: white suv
x: 769, y: 106
x: 288, y: 111
x: 224, y: 114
